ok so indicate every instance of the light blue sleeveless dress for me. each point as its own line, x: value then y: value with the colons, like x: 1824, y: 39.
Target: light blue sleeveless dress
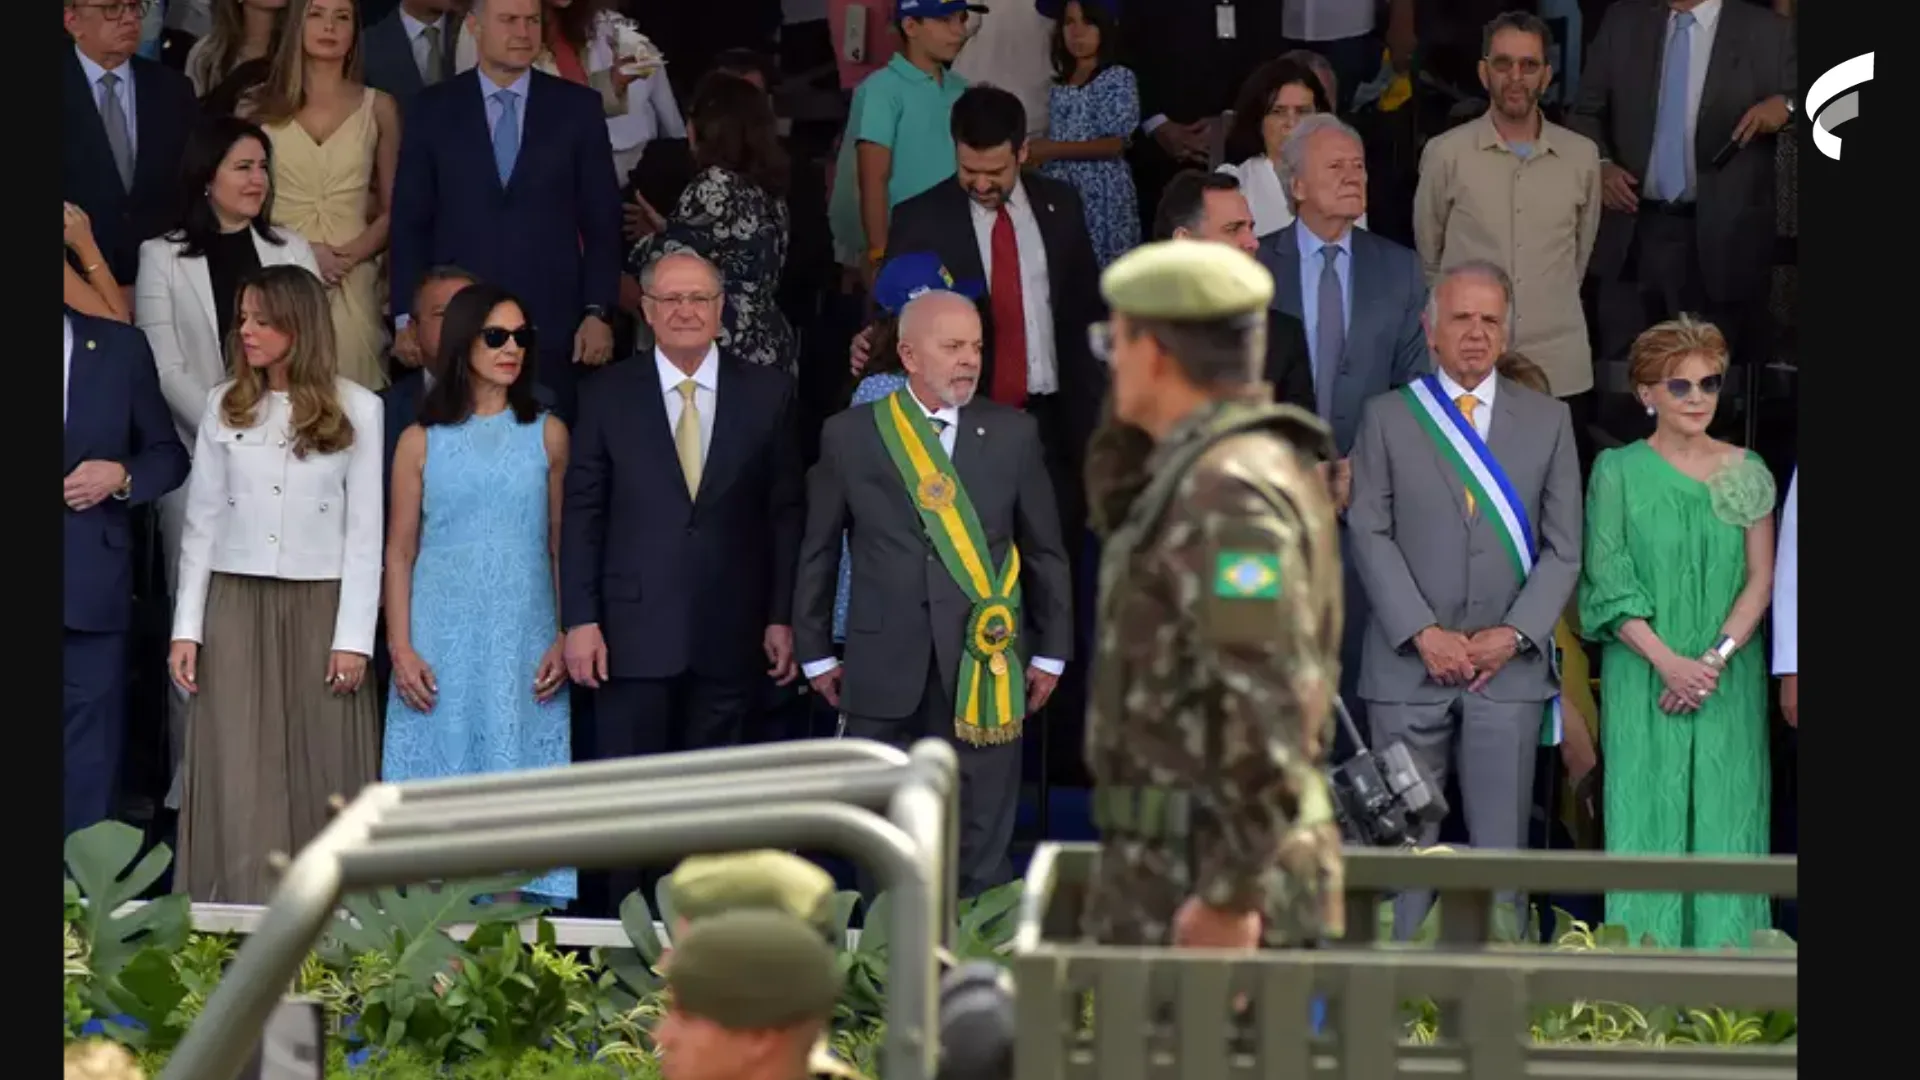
x: 483, y: 615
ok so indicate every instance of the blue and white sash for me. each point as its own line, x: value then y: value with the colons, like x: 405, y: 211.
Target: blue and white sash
x: 1461, y: 447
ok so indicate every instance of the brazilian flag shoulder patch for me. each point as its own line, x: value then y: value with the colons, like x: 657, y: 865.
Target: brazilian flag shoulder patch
x: 1246, y: 575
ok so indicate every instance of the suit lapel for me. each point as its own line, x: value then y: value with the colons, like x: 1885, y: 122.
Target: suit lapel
x: 1444, y: 472
x: 729, y: 443
x: 1651, y: 50
x: 966, y: 262
x: 1722, y: 61
x: 1284, y: 264
x: 1359, y: 321
x: 87, y: 95
x: 533, y: 128
x: 970, y: 450
x: 201, y: 282
x: 390, y: 37
x: 149, y: 122
x: 1503, y: 434
x: 81, y: 402
x: 472, y: 114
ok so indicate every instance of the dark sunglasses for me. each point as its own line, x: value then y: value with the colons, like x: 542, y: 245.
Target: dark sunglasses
x: 496, y: 337
x: 1710, y: 386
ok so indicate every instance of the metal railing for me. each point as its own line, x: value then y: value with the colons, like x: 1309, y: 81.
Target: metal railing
x: 819, y: 794
x: 1193, y: 1013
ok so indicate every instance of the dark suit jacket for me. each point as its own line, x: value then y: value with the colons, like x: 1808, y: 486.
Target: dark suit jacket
x: 1753, y: 59
x: 164, y: 111
x: 679, y: 583
x: 1289, y: 368
x: 389, y: 62
x: 1386, y: 346
x: 903, y: 605
x: 940, y: 220
x: 551, y: 235
x: 115, y: 412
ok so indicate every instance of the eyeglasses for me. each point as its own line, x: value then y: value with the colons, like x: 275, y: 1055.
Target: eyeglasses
x: 496, y: 337
x: 116, y: 12
x: 1100, y: 340
x: 675, y: 300
x: 1505, y: 64
x: 1680, y: 388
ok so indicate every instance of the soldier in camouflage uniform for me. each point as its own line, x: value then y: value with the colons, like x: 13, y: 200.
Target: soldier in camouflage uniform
x: 1217, y: 651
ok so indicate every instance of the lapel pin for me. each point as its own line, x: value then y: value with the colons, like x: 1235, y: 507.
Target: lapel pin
x: 90, y: 344
x: 980, y: 431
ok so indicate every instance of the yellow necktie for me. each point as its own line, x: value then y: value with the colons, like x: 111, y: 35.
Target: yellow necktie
x: 686, y: 437
x: 1467, y: 403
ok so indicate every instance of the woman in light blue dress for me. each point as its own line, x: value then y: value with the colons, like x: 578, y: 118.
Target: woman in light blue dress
x: 904, y: 277
x: 479, y: 684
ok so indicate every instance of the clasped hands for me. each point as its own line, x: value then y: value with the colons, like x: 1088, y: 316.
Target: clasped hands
x: 1454, y: 658
x: 1687, y: 683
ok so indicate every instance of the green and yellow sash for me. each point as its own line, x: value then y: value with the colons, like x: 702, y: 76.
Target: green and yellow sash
x: 991, y: 701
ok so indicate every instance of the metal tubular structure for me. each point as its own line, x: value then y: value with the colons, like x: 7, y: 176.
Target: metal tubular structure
x: 1164, y: 1013
x: 374, y: 843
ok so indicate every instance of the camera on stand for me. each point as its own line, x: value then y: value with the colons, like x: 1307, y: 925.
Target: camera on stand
x: 1384, y: 799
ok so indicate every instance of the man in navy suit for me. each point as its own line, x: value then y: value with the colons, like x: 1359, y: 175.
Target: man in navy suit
x: 411, y: 49
x: 125, y: 119
x: 685, y: 498
x: 508, y: 172
x: 1361, y: 297
x: 121, y: 451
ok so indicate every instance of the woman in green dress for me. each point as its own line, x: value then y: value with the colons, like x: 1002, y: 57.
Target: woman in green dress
x: 1677, y: 576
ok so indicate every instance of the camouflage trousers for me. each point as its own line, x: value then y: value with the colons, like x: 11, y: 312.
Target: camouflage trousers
x: 1138, y: 886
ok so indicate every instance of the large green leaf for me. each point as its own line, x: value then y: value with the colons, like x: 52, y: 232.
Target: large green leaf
x: 663, y: 903
x: 100, y: 860
x: 148, y: 989
x: 411, y: 926
x: 873, y: 929
x: 844, y: 903
x: 988, y: 921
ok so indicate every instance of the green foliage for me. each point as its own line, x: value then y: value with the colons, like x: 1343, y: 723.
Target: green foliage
x: 132, y: 963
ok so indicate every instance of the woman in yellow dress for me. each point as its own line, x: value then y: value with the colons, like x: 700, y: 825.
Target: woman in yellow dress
x: 336, y: 145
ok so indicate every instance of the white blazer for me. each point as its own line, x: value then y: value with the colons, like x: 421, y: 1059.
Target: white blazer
x: 255, y: 510
x: 173, y: 305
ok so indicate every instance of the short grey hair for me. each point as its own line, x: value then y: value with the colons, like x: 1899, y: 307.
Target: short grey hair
x: 1293, y: 152
x: 1486, y: 271
x: 648, y: 271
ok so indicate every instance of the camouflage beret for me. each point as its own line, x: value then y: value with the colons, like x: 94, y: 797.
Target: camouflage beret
x: 754, y: 971
x: 707, y: 885
x: 1187, y: 281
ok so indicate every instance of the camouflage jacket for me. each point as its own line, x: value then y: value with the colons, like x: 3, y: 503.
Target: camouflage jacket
x: 1215, y: 665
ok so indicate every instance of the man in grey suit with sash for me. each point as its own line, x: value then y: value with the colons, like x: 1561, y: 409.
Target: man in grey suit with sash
x: 412, y: 48
x: 959, y: 617
x: 1466, y: 534
x: 1360, y: 297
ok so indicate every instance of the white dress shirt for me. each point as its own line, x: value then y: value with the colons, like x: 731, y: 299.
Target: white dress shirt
x: 1260, y: 183
x: 123, y: 91
x: 948, y: 425
x: 417, y: 39
x: 706, y: 383
x: 1326, y: 20
x: 1036, y: 291
x: 255, y: 510
x: 1483, y: 412
x: 1786, y: 586
x: 1706, y: 19
x: 66, y: 376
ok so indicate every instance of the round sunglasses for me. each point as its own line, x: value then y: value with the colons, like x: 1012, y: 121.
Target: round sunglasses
x: 1680, y: 388
x: 496, y: 337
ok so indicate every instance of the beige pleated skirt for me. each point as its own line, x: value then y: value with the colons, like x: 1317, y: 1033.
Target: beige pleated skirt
x: 268, y: 743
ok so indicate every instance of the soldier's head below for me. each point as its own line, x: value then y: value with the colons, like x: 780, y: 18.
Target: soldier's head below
x: 749, y: 994
x: 703, y: 886
x: 940, y: 342
x: 1206, y: 206
x: 1189, y: 326
x: 1468, y: 320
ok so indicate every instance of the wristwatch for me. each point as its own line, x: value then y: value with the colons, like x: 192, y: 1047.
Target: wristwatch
x: 1521, y: 642
x: 125, y: 490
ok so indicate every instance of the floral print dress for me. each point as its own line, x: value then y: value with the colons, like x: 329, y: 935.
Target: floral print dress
x: 1106, y: 107
x: 741, y: 229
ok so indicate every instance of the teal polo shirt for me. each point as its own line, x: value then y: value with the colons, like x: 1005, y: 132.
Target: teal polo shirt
x: 907, y: 111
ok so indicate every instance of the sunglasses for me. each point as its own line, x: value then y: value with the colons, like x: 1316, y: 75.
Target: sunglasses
x: 496, y: 337
x: 1680, y: 388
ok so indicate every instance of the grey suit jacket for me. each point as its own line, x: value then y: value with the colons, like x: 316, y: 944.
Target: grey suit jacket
x: 1386, y: 346
x: 389, y: 57
x: 903, y: 605
x: 1424, y: 562
x: 1753, y: 59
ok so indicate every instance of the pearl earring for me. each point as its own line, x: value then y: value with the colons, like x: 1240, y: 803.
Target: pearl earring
x: 1651, y: 410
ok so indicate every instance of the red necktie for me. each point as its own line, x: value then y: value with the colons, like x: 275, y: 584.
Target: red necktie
x: 1009, y: 316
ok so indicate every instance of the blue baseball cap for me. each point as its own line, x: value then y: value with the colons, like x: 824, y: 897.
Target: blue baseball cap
x: 912, y: 273
x: 934, y: 9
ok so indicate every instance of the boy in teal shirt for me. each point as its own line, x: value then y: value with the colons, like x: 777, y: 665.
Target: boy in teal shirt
x: 898, y: 141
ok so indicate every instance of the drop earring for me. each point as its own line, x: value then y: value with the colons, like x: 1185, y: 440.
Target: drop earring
x: 1651, y: 410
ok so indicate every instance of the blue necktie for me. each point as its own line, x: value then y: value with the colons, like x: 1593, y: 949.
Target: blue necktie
x: 506, y: 135
x: 1670, y: 123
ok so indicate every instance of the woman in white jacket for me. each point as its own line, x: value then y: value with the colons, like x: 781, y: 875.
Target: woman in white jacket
x: 279, y: 590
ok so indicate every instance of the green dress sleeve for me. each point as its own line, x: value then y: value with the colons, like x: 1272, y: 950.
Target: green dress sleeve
x: 1611, y: 589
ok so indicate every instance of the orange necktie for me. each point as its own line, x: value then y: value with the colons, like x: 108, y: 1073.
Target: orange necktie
x: 1467, y: 403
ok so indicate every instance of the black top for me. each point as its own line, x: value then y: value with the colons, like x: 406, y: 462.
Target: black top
x: 231, y: 259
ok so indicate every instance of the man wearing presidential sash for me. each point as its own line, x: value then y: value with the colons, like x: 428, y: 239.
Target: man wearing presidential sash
x: 959, y: 617
x: 1466, y: 534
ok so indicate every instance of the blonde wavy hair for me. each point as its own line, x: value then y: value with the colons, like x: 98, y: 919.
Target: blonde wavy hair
x: 285, y: 92
x: 290, y: 299
x: 1664, y: 346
